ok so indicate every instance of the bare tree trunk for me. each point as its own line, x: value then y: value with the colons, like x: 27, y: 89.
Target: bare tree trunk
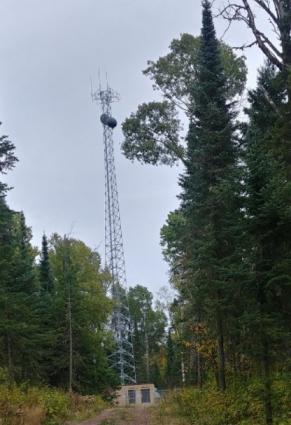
x: 284, y: 25
x: 265, y: 358
x: 147, y: 355
x: 199, y: 370
x: 70, y: 344
x: 221, y: 354
x: 267, y: 383
x: 183, y: 369
x: 67, y: 280
x: 10, y: 361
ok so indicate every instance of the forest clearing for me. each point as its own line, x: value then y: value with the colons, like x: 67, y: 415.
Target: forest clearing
x: 205, y: 340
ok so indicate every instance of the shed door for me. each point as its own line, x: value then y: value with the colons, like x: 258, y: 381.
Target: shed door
x: 131, y: 396
x: 145, y: 395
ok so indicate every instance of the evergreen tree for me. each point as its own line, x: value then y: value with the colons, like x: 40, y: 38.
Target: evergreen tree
x: 7, y: 160
x: 46, y: 312
x: 6, y: 253
x: 210, y: 196
x: 20, y: 327
x: 45, y: 275
x: 269, y: 230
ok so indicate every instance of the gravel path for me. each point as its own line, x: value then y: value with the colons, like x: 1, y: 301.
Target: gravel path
x: 119, y: 416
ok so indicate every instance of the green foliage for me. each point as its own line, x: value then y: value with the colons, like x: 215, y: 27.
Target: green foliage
x: 240, y: 405
x: 153, y: 134
x: 56, y: 405
x: 254, y: 293
x: 79, y: 286
x: 173, y: 359
x: 34, y: 306
x: 228, y: 246
x: 148, y: 324
x: 173, y: 241
x: 210, y: 195
x: 45, y: 273
x: 45, y: 406
x: 45, y: 305
x: 211, y: 407
x: 268, y: 217
x: 176, y: 74
x: 7, y: 160
x: 19, y: 326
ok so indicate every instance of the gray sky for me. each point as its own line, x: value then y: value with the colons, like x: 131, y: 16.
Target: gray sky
x: 48, y: 50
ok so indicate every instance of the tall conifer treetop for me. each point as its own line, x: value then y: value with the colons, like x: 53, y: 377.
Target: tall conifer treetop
x: 210, y: 147
x: 209, y: 191
x: 7, y: 159
x: 211, y: 72
x: 44, y: 268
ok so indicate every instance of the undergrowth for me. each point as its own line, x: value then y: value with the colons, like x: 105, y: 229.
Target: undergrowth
x: 239, y: 405
x: 44, y: 406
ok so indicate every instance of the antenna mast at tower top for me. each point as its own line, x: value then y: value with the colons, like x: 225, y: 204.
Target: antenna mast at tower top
x: 122, y: 359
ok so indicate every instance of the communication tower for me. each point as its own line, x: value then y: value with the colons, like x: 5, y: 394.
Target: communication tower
x: 123, y: 358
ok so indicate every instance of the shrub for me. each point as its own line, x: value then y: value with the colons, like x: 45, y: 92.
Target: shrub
x: 240, y: 405
x: 44, y: 406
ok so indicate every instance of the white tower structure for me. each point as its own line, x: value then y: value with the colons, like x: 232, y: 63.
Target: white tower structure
x: 122, y: 359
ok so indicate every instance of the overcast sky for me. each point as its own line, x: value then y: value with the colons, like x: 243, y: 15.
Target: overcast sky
x: 48, y: 51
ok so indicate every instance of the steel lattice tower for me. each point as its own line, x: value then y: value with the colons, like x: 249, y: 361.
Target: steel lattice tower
x: 122, y: 359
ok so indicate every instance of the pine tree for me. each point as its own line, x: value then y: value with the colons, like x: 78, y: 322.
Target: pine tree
x: 46, y: 312
x: 210, y: 196
x: 19, y: 330
x: 7, y: 160
x: 269, y: 230
x: 19, y: 323
x: 45, y: 275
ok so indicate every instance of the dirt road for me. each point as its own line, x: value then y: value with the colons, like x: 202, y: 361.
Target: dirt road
x: 120, y: 416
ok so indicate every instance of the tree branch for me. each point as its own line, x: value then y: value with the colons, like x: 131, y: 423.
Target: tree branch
x: 271, y: 102
x: 243, y: 12
x: 175, y: 149
x: 263, y: 5
x: 258, y: 35
x: 270, y: 44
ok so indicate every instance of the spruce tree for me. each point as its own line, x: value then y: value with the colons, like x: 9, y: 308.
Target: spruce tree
x: 45, y: 274
x: 269, y: 231
x: 210, y: 195
x: 19, y: 320
x: 46, y: 312
x: 7, y: 160
x: 19, y: 335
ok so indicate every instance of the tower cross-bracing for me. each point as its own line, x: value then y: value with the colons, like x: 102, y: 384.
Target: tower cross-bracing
x: 122, y: 359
